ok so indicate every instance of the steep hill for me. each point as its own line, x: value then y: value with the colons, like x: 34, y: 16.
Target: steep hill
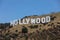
x: 41, y: 31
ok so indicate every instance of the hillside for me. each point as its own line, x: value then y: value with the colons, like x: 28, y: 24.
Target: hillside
x: 42, y: 31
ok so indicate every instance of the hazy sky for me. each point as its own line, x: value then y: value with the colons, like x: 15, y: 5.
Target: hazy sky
x: 15, y: 9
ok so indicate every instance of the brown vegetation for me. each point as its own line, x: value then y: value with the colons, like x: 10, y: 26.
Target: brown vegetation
x: 47, y: 31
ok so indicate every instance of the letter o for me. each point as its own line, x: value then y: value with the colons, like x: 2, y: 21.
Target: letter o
x: 43, y: 20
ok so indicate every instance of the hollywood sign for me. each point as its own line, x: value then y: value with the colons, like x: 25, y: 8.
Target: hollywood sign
x: 31, y: 21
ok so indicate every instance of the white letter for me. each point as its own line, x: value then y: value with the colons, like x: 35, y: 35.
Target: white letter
x: 27, y: 20
x: 33, y: 21
x: 47, y: 18
x: 24, y: 22
x: 43, y: 20
x: 20, y: 21
x: 15, y: 22
x: 38, y: 20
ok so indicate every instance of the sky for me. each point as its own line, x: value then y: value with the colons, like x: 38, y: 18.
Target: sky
x: 17, y: 9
